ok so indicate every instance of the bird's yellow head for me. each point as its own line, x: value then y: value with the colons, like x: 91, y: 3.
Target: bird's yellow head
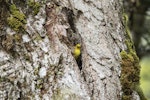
x: 78, y: 46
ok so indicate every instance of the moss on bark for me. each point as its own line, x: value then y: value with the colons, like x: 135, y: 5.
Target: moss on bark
x: 130, y: 68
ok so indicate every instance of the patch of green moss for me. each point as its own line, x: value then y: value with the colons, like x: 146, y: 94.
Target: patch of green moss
x: 17, y: 19
x: 14, y: 23
x: 130, y: 74
x: 125, y: 21
x: 34, y: 5
x: 130, y: 68
x: 39, y: 84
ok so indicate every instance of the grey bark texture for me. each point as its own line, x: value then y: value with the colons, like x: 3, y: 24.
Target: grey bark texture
x: 44, y: 68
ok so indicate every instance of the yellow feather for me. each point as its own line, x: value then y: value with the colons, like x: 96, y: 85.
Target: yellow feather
x: 77, y: 51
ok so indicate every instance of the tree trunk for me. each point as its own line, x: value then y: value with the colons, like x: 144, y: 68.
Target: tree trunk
x: 36, y: 60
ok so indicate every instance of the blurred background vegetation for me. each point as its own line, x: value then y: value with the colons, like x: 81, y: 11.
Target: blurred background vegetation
x: 138, y: 12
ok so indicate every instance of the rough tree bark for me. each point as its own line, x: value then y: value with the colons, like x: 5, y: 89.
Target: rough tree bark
x: 36, y: 62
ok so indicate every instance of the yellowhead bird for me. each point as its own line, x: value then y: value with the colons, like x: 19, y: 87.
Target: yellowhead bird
x: 77, y: 51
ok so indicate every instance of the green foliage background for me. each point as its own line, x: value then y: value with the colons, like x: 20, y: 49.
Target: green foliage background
x: 145, y: 76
